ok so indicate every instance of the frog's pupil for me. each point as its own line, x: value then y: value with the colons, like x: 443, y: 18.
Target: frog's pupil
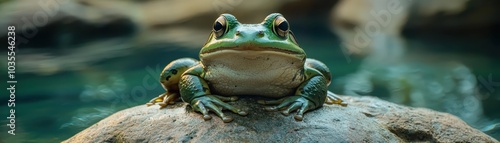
x: 283, y: 26
x: 217, y: 26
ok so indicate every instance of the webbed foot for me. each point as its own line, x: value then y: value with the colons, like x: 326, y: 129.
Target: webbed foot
x: 164, y: 99
x: 290, y: 104
x: 332, y: 98
x: 207, y: 103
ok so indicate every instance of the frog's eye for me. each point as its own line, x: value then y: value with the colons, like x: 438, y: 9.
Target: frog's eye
x: 281, y: 26
x: 220, y: 26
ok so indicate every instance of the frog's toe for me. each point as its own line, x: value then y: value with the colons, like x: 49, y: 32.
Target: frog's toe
x: 291, y: 108
x: 207, y: 117
x: 305, y: 107
x: 158, y: 99
x: 227, y: 119
x: 162, y: 104
x: 298, y: 117
x: 201, y: 108
x: 294, y: 103
x: 164, y: 99
x: 209, y: 102
x: 334, y: 99
x: 284, y: 103
x: 229, y: 107
x: 216, y: 110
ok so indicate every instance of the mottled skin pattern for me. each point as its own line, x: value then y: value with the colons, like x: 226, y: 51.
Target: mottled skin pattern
x: 248, y: 59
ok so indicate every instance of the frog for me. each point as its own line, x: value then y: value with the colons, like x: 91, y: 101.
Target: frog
x: 252, y: 60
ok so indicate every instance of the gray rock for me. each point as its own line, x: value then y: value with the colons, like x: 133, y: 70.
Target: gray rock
x: 365, y: 119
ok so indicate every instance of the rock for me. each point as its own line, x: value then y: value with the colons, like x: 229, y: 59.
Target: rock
x: 365, y: 119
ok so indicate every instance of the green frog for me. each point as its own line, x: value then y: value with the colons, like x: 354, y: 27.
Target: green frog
x: 248, y: 59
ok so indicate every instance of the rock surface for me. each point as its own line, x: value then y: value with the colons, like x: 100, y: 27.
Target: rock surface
x: 365, y: 119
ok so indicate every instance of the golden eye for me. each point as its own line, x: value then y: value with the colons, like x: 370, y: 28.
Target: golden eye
x: 281, y: 27
x: 220, y: 26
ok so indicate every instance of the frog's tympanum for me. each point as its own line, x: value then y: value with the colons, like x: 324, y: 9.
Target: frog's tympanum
x: 248, y: 59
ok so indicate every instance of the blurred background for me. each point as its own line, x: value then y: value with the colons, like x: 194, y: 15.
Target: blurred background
x: 79, y: 61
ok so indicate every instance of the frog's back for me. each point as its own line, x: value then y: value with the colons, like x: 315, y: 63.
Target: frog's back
x: 261, y: 73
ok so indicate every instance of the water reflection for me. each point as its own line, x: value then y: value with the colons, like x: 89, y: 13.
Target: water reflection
x: 112, y: 87
x: 405, y: 78
x: 406, y: 72
x: 87, y: 116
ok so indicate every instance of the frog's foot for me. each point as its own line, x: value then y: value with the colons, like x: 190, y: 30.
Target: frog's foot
x: 164, y: 99
x: 207, y: 103
x: 290, y: 104
x: 332, y: 98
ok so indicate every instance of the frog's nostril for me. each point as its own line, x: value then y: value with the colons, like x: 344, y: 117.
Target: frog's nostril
x: 260, y: 34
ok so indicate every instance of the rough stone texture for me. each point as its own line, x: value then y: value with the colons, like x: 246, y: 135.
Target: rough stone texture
x: 365, y: 119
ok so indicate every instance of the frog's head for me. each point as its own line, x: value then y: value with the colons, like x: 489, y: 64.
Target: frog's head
x: 272, y: 35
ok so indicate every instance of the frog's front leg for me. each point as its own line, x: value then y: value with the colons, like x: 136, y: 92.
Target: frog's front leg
x: 169, y: 79
x: 195, y: 91
x: 311, y: 94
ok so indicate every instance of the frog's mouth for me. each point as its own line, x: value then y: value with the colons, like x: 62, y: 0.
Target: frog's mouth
x: 253, y: 48
x: 236, y: 53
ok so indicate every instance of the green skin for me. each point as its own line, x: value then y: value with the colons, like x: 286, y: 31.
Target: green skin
x: 248, y: 59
